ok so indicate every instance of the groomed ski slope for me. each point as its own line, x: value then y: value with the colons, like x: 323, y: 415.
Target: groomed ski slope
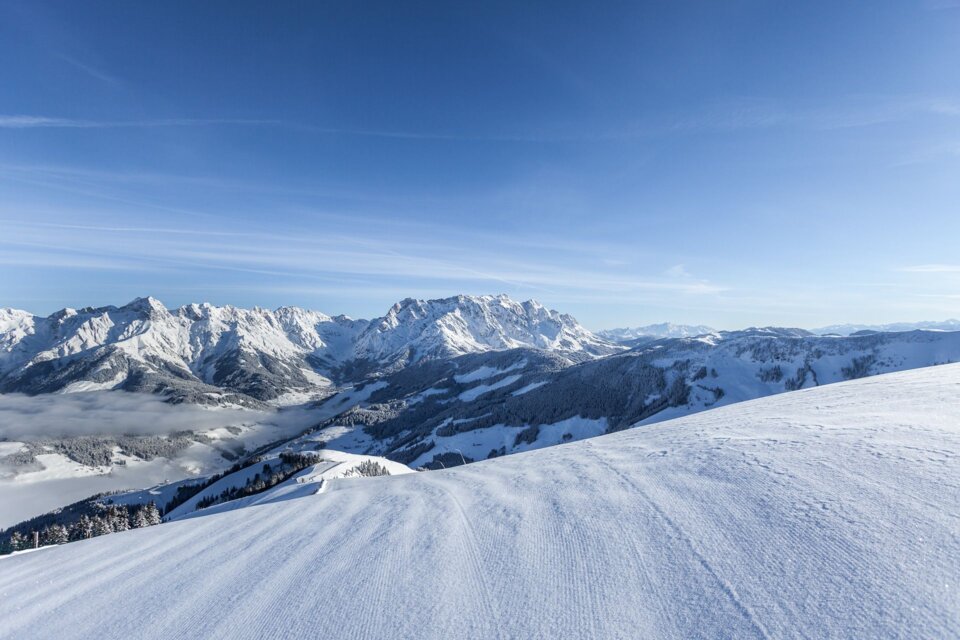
x: 828, y: 512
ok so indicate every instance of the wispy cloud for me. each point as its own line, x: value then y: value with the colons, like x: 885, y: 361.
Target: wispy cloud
x: 338, y: 259
x: 89, y: 70
x: 40, y: 122
x: 932, y: 268
x: 940, y: 5
x: 942, y: 296
x: 731, y: 115
x: 30, y: 122
x: 760, y: 113
x: 23, y: 121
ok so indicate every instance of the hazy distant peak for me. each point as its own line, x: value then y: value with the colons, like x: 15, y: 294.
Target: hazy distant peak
x: 660, y: 330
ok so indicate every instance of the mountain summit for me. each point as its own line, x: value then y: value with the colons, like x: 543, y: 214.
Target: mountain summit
x: 214, y: 355
x: 422, y: 329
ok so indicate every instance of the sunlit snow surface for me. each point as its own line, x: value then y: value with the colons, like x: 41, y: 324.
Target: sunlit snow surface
x: 828, y: 512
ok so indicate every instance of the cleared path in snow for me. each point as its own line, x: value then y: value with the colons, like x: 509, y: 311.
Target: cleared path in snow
x: 829, y: 512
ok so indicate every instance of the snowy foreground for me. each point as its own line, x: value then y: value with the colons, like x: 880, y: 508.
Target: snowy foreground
x: 828, y: 512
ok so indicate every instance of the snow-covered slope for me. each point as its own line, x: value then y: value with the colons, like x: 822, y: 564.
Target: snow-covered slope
x: 734, y: 366
x: 828, y: 513
x: 330, y: 466
x: 214, y: 492
x: 661, y: 330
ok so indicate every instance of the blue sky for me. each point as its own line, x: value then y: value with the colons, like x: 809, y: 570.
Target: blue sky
x: 728, y: 163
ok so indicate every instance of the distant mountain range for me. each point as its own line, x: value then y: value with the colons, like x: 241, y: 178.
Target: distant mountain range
x: 633, y: 336
x: 662, y: 330
x: 849, y: 329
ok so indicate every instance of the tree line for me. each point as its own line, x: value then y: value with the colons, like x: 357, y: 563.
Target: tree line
x: 97, y: 516
x: 267, y: 477
x: 111, y: 519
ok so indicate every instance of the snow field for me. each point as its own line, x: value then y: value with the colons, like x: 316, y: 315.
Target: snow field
x: 828, y: 512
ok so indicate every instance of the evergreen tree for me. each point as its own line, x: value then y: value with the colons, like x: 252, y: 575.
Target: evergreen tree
x: 17, y: 541
x: 84, y: 528
x: 55, y: 534
x: 119, y: 519
x: 139, y: 518
x: 152, y: 514
x: 101, y: 526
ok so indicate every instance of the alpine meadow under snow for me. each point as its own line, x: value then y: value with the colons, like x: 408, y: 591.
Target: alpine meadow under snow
x: 827, y: 512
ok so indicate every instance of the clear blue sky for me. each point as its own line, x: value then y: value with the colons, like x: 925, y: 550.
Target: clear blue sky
x: 729, y: 163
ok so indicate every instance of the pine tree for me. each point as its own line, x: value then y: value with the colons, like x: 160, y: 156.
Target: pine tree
x: 101, y: 526
x: 119, y: 519
x: 84, y: 528
x: 152, y: 514
x: 55, y: 534
x: 17, y: 541
x: 139, y: 518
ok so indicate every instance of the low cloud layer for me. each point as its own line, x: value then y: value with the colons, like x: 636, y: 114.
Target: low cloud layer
x: 107, y: 413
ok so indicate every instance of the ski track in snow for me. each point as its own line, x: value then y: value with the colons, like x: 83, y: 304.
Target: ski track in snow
x: 685, y: 538
x: 831, y: 512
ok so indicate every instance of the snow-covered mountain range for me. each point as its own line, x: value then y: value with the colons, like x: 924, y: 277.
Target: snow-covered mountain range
x: 849, y: 329
x: 485, y: 405
x: 661, y: 330
x: 827, y: 513
x: 225, y: 355
x: 431, y: 384
x: 416, y: 329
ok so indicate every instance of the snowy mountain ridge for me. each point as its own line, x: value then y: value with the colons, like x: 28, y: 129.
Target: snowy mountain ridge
x: 660, y: 330
x: 928, y: 325
x: 204, y: 353
x: 439, y: 414
x: 418, y: 329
